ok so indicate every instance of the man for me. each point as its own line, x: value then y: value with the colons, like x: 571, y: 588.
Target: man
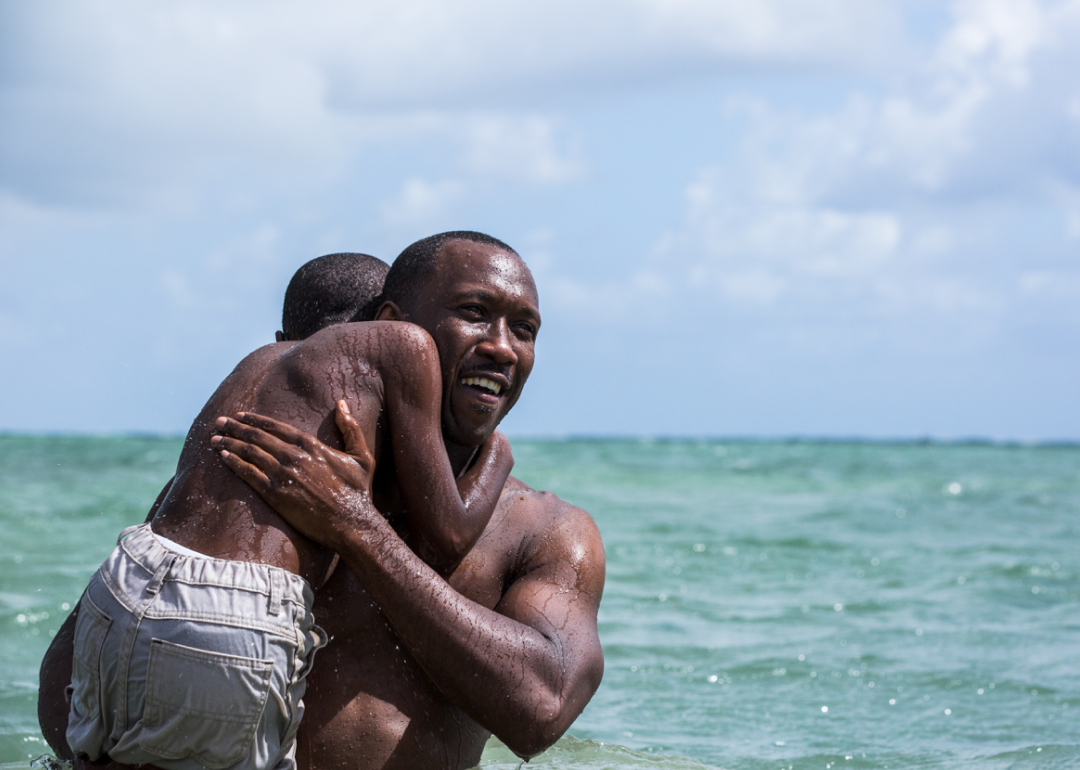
x: 420, y: 670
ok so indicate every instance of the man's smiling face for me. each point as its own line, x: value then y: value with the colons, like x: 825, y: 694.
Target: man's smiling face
x: 481, y: 308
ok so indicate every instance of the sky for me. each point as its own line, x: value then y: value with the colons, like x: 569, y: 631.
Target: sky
x: 846, y: 218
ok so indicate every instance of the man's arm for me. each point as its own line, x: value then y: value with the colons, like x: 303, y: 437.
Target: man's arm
x: 525, y: 670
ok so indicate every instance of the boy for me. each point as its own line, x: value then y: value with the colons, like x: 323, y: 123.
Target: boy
x: 195, y: 637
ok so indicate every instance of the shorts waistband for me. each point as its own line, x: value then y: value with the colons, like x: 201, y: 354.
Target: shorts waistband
x: 141, y: 545
x: 175, y: 547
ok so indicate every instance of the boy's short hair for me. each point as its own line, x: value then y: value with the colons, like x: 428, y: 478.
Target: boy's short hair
x: 333, y: 289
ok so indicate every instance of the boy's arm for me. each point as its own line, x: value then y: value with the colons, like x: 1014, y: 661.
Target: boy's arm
x: 481, y: 484
x: 448, y: 516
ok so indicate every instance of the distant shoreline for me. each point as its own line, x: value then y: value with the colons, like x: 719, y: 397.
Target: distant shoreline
x: 1063, y: 443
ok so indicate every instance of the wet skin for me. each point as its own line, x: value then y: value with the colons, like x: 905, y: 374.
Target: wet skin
x: 421, y: 669
x: 387, y: 374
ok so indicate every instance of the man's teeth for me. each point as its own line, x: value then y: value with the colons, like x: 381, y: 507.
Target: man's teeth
x: 483, y: 382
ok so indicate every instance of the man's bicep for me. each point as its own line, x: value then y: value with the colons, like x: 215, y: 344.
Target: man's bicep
x: 559, y: 593
x: 559, y: 600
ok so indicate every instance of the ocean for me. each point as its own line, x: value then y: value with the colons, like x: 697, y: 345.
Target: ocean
x: 769, y: 604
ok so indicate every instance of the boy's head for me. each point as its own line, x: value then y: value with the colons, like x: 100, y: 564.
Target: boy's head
x: 334, y: 289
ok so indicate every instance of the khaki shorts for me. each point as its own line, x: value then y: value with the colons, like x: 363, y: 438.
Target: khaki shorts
x: 188, y: 662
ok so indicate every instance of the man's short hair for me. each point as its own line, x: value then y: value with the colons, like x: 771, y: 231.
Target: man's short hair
x: 414, y: 266
x: 334, y: 289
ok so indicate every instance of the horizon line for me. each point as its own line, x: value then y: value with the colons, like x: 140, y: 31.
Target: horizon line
x: 657, y: 438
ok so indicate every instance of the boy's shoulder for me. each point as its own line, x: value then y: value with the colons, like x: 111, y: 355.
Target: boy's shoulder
x: 373, y: 340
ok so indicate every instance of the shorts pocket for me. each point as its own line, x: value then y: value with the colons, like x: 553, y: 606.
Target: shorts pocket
x: 90, y: 630
x: 200, y: 704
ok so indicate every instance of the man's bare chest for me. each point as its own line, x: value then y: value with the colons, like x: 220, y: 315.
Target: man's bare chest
x: 344, y: 608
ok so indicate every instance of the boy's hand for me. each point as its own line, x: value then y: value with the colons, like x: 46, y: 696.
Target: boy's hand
x: 318, y: 490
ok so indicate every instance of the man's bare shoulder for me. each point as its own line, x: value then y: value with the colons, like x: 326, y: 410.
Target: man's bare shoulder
x: 542, y: 507
x: 549, y: 530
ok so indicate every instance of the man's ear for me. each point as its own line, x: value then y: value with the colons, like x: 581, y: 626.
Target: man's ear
x: 279, y: 336
x: 389, y: 311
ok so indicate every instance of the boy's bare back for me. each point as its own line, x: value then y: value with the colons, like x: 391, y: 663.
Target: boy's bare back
x: 210, y: 510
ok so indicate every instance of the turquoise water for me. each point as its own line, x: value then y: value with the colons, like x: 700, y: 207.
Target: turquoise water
x: 768, y: 605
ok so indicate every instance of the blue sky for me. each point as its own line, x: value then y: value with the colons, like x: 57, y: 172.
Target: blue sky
x: 840, y: 218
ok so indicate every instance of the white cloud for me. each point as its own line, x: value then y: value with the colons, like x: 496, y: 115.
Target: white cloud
x: 163, y: 166
x: 522, y: 148
x: 421, y: 203
x: 902, y: 213
x: 820, y: 207
x: 141, y: 104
